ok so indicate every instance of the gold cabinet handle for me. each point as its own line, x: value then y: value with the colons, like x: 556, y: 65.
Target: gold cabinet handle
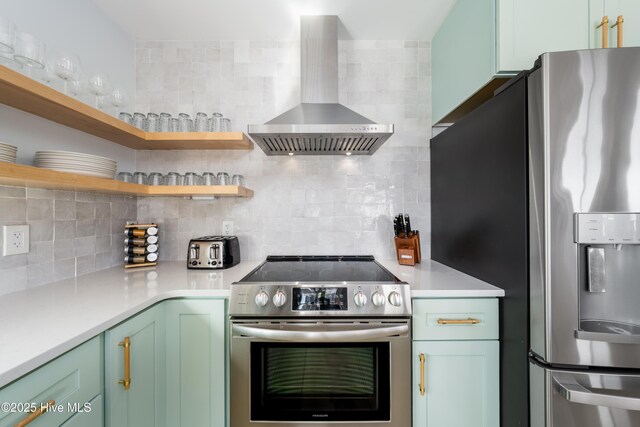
x: 35, y: 414
x: 468, y: 321
x: 605, y: 31
x: 126, y: 344
x: 618, y: 24
x: 422, y: 358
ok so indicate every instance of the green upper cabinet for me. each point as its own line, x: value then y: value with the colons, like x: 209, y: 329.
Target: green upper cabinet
x: 143, y: 403
x: 481, y: 43
x: 196, y: 363
x: 630, y: 12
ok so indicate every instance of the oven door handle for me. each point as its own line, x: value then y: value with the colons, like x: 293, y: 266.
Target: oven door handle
x: 348, y: 335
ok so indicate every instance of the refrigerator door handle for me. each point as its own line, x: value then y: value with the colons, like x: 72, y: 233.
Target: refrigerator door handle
x: 576, y: 393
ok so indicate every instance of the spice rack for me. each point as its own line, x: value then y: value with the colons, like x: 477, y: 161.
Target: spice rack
x: 141, y: 245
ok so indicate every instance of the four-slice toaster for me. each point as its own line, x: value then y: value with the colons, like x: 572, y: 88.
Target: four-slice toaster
x: 213, y: 252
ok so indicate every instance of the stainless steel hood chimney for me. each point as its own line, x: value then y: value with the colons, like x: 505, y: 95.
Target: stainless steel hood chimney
x: 319, y: 125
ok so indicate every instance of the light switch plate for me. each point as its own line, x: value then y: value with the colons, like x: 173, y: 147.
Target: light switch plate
x: 15, y: 239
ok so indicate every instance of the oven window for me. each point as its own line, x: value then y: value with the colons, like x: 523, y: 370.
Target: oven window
x: 320, y: 382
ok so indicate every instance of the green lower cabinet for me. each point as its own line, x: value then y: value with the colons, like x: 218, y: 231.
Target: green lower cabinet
x: 91, y: 416
x: 143, y: 404
x: 196, y: 383
x: 68, y: 382
x: 461, y: 384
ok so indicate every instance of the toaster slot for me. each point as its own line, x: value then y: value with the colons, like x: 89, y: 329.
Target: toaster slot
x: 214, y: 251
x: 194, y: 251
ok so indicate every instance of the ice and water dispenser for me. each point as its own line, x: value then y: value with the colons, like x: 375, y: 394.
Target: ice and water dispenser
x: 609, y: 265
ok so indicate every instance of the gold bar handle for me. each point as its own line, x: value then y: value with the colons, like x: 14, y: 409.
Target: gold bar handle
x: 35, y: 414
x: 618, y: 24
x: 422, y: 358
x: 468, y: 321
x: 126, y: 344
x: 605, y: 31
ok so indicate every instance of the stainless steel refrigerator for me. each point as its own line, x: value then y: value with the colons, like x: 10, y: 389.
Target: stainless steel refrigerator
x: 560, y: 145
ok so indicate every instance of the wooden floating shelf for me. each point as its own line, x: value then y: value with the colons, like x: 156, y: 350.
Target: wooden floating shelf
x: 29, y: 176
x: 21, y: 92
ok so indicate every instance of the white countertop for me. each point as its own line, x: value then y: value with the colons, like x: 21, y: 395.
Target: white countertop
x: 42, y: 323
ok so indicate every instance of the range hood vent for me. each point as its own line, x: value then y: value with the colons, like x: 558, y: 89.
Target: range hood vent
x: 319, y: 125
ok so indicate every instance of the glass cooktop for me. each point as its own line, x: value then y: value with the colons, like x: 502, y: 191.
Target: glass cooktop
x: 293, y: 269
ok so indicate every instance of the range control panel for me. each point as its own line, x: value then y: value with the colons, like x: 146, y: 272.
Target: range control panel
x: 607, y: 228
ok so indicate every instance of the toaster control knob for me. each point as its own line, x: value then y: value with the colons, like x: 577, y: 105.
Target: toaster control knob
x: 360, y: 299
x: 279, y: 299
x: 194, y: 262
x: 262, y: 299
x: 395, y: 299
x: 378, y: 299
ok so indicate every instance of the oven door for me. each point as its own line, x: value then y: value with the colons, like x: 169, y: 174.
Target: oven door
x: 299, y: 372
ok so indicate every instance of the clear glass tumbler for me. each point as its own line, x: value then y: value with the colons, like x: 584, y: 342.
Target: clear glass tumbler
x: 156, y: 178
x: 140, y: 178
x: 209, y: 178
x: 139, y: 121
x: 191, y: 178
x: 126, y: 117
x: 125, y: 176
x: 29, y: 52
x: 226, y: 125
x: 173, y: 178
x: 7, y: 35
x: 153, y: 122
x: 216, y: 122
x: 202, y: 122
x: 165, y: 122
x: 223, y: 178
x: 185, y: 122
x: 175, y: 125
x: 237, y: 180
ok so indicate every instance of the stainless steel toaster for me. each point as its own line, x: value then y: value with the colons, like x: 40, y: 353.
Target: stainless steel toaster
x: 213, y: 252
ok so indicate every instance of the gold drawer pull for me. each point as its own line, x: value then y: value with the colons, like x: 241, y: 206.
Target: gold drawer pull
x: 35, y: 414
x: 422, y: 374
x: 126, y: 344
x: 468, y: 321
x: 618, y: 24
x: 605, y: 31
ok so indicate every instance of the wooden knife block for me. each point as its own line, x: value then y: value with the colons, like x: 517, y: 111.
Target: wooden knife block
x: 408, y: 249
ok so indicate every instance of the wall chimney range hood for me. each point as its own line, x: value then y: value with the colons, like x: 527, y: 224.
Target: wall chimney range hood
x: 319, y: 125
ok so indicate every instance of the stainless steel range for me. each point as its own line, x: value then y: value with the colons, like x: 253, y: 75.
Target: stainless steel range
x: 320, y: 340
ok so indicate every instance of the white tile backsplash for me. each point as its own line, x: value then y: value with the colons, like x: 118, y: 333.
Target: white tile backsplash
x: 302, y: 204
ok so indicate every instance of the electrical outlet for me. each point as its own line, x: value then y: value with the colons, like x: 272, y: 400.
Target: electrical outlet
x: 15, y: 239
x: 227, y: 228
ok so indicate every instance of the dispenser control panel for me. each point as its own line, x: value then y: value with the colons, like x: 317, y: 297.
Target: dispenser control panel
x: 607, y: 228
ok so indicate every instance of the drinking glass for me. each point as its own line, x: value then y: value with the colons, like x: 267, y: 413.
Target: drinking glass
x: 191, y: 178
x: 216, y: 122
x: 185, y: 122
x: 140, y: 178
x: 209, y: 178
x: 223, y: 178
x: 8, y: 60
x: 99, y: 86
x: 79, y: 87
x: 7, y: 35
x: 165, y: 122
x: 139, y: 121
x: 237, y: 180
x: 126, y: 117
x: 174, y: 178
x: 226, y: 125
x: 202, y: 122
x: 66, y: 65
x: 156, y: 178
x: 29, y: 52
x: 118, y: 98
x: 125, y: 176
x: 175, y: 125
x: 153, y: 122
x: 47, y: 74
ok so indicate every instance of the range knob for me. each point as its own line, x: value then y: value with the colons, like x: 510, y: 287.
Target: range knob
x: 395, y: 299
x: 262, y: 298
x: 280, y: 298
x: 360, y: 299
x: 378, y: 299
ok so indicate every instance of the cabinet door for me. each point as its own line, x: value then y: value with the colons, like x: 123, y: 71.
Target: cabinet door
x: 196, y: 363
x: 630, y: 11
x: 143, y: 403
x: 461, y: 384
x: 527, y: 29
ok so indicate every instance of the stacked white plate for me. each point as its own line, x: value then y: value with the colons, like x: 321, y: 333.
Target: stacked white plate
x: 79, y: 163
x: 8, y: 153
